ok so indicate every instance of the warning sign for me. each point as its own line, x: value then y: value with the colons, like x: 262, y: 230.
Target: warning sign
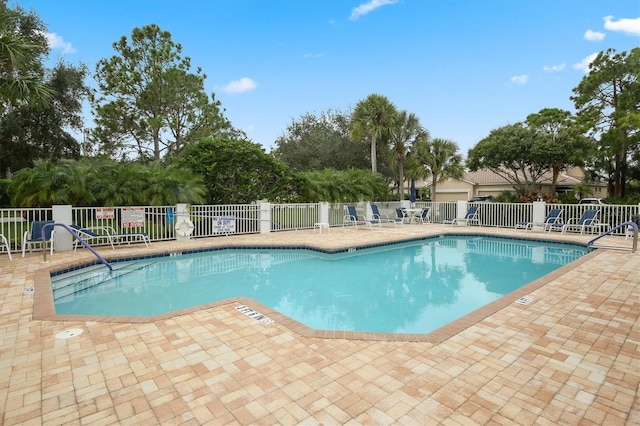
x: 132, y: 217
x: 105, y: 213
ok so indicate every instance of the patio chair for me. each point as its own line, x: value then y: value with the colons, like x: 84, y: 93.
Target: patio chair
x: 352, y: 218
x: 382, y: 218
x: 34, y: 237
x: 469, y: 218
x: 588, y: 219
x: 4, y: 245
x: 552, y: 218
x: 424, y: 215
x: 89, y: 235
x: 402, y: 215
x: 128, y: 237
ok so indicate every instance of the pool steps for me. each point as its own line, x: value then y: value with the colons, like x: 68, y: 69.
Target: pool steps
x: 65, y: 285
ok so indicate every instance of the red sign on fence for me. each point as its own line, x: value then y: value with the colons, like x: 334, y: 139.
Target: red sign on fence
x: 105, y: 213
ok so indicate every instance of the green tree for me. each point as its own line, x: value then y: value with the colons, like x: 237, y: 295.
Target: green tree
x: 405, y: 133
x: 23, y: 47
x: 508, y: 152
x: 559, y: 141
x: 373, y: 118
x: 238, y: 171
x: 149, y: 102
x: 317, y: 142
x: 438, y: 159
x: 606, y: 100
x: 27, y: 134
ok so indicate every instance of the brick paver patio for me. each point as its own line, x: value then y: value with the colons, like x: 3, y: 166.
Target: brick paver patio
x: 572, y: 356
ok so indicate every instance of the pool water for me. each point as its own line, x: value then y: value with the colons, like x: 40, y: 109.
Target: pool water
x: 413, y: 287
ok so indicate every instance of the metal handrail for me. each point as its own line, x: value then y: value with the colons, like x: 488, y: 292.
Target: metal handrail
x: 84, y: 243
x: 634, y: 225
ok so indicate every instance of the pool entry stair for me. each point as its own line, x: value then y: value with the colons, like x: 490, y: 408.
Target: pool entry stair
x: 73, y: 233
x: 67, y: 284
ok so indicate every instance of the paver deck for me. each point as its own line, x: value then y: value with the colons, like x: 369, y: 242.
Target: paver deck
x: 572, y: 356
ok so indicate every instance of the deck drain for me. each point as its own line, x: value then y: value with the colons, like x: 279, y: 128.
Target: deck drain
x: 27, y: 290
x: 67, y: 334
x: 525, y: 300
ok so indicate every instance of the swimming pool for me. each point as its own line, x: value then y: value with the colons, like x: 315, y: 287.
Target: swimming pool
x: 412, y: 287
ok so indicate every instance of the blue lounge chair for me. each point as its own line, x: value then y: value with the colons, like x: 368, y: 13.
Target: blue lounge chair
x: 402, y: 215
x: 33, y: 237
x: 469, y: 218
x: 552, y: 218
x: 4, y: 245
x: 382, y: 218
x: 352, y: 218
x: 90, y: 236
x: 588, y: 219
x: 424, y: 215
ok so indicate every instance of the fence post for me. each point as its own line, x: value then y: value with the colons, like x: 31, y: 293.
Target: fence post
x: 324, y: 212
x: 62, y: 240
x: 182, y: 214
x: 539, y: 212
x: 265, y: 218
x: 461, y: 209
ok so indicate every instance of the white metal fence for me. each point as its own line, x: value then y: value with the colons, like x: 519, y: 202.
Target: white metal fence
x: 158, y: 221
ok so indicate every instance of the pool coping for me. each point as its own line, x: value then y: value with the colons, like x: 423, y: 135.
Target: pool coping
x: 44, y: 309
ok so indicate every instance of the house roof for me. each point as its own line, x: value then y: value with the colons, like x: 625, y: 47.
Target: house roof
x: 488, y: 177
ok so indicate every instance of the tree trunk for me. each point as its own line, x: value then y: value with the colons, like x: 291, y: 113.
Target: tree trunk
x: 374, y: 163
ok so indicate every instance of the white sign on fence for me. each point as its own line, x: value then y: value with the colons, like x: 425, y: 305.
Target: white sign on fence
x: 224, y: 225
x: 105, y: 213
x: 132, y: 217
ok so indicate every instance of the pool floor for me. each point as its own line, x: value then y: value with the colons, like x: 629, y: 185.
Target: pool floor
x: 570, y: 356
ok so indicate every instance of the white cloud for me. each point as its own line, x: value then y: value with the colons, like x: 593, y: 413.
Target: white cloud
x: 519, y: 79
x: 239, y: 86
x: 313, y: 55
x: 584, y: 64
x: 627, y: 26
x: 365, y: 8
x: 552, y: 68
x: 594, y: 35
x: 56, y: 41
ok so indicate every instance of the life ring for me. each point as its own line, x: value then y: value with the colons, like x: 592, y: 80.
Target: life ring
x: 184, y: 227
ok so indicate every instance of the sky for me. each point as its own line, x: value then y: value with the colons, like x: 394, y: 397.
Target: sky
x: 464, y: 67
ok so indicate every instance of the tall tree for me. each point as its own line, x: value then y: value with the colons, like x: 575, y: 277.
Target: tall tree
x: 27, y: 134
x: 508, y: 152
x: 438, y: 159
x: 405, y: 132
x: 607, y: 101
x: 373, y: 118
x: 22, y: 48
x: 316, y: 142
x: 149, y: 102
x: 559, y: 141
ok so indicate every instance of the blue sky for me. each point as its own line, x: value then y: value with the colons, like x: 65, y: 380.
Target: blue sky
x: 464, y: 67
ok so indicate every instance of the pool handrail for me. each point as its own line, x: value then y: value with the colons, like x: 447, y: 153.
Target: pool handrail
x: 632, y: 224
x: 84, y: 243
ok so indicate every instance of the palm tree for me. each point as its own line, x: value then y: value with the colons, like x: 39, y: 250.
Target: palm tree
x: 405, y: 133
x: 373, y: 117
x: 19, y: 80
x: 437, y: 158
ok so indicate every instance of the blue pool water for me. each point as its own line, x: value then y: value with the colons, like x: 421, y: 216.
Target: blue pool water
x: 413, y: 287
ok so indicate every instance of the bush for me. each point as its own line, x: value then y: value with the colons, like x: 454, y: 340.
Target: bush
x: 538, y: 195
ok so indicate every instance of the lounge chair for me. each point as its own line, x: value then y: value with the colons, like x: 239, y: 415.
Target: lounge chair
x: 128, y: 237
x: 588, y: 219
x: 552, y: 218
x: 89, y: 235
x: 382, y: 218
x: 424, y: 215
x: 402, y: 215
x: 352, y: 218
x: 4, y: 245
x: 33, y: 237
x: 469, y: 218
